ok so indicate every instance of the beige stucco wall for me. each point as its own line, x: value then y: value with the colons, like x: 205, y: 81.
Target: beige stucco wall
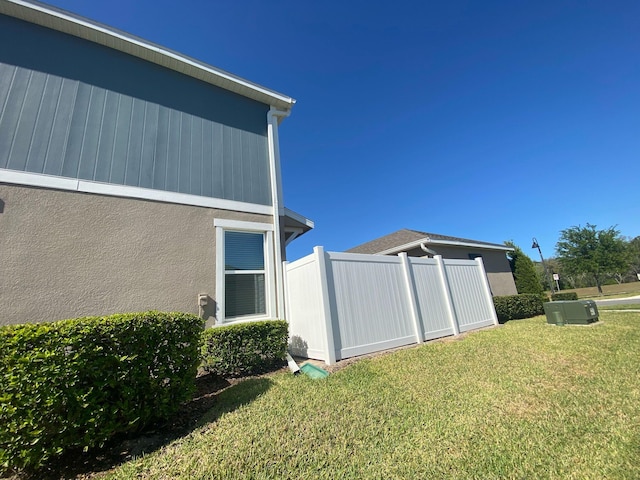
x: 495, y: 264
x: 69, y: 254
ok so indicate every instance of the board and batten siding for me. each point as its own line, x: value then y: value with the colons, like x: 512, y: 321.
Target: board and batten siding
x: 74, y: 109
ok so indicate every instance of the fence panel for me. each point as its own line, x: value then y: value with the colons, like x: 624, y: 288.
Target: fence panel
x: 304, y: 309
x: 431, y: 299
x: 369, y: 303
x: 472, y: 307
x: 340, y: 305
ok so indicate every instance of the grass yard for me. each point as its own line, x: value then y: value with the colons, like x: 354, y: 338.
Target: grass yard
x: 623, y: 306
x: 525, y: 400
x: 610, y: 291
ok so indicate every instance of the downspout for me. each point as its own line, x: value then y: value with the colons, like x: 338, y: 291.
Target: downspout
x: 274, y: 116
x: 428, y: 250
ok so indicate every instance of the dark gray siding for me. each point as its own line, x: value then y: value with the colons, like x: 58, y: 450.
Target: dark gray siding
x: 75, y: 109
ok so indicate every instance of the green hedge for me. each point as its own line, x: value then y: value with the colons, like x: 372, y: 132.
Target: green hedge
x: 76, y: 383
x: 245, y: 348
x: 564, y: 296
x: 513, y: 307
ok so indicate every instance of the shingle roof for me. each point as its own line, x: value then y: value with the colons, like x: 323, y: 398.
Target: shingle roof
x: 405, y: 236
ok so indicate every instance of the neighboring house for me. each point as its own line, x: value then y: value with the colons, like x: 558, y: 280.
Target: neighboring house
x: 422, y: 244
x: 133, y: 177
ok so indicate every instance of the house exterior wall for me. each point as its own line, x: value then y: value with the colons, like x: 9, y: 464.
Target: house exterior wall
x: 495, y: 263
x: 69, y: 254
x: 72, y: 108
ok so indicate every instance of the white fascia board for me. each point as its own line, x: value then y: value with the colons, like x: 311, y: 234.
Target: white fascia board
x: 67, y: 22
x: 454, y: 243
x: 85, y: 186
x: 449, y: 243
x: 298, y: 218
x: 242, y: 225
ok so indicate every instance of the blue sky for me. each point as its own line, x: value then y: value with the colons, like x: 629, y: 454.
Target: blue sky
x: 489, y: 120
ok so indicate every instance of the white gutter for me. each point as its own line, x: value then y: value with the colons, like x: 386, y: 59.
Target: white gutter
x: 455, y: 243
x: 429, y: 241
x: 274, y: 116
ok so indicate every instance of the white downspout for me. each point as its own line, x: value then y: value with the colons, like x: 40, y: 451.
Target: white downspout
x: 428, y: 250
x: 273, y: 119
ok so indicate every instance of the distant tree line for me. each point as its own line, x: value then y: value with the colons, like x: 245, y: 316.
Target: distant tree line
x: 584, y: 257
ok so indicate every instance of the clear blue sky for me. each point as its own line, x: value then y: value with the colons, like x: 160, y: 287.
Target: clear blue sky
x: 490, y: 120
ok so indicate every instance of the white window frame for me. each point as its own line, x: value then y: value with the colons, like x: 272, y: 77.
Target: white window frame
x: 266, y: 229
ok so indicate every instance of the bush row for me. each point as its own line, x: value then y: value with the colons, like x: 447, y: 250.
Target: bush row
x: 76, y: 383
x: 564, y: 296
x: 245, y: 348
x: 513, y: 307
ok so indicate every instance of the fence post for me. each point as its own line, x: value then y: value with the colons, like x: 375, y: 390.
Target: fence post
x: 410, y: 284
x: 285, y: 283
x: 330, y: 349
x: 447, y: 294
x: 487, y: 289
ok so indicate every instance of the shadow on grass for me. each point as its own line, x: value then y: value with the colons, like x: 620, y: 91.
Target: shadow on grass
x: 213, y: 398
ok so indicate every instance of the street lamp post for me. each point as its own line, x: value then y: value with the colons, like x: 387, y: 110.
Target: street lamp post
x: 544, y: 265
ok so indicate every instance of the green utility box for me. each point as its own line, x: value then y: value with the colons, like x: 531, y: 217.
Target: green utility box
x: 571, y: 312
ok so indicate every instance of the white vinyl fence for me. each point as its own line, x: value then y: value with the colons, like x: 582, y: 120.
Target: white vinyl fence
x: 340, y: 305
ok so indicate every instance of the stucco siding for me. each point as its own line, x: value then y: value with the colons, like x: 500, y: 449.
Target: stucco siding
x: 68, y: 254
x: 502, y: 283
x: 72, y: 108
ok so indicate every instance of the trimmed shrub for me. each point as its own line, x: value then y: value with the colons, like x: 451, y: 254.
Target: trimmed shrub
x: 564, y: 296
x: 76, y: 383
x: 513, y: 307
x: 245, y: 348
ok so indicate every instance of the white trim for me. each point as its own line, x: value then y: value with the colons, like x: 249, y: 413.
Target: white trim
x: 240, y: 225
x: 468, y: 244
x: 428, y: 241
x: 67, y: 22
x: 273, y: 116
x: 298, y: 218
x: 295, y: 233
x: 125, y: 191
x: 220, y: 264
x: 222, y: 225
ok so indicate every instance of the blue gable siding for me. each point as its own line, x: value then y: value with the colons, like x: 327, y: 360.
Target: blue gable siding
x: 75, y: 109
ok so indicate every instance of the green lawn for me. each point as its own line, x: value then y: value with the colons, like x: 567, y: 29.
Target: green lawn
x: 610, y: 291
x: 624, y: 306
x: 525, y: 400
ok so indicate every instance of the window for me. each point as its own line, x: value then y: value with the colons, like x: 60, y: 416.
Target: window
x: 244, y: 288
x: 244, y: 266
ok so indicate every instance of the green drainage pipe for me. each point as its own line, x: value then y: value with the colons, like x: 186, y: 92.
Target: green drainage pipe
x: 314, y: 372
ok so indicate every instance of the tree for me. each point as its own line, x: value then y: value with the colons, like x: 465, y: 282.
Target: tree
x: 524, y: 273
x: 633, y: 255
x: 597, y: 253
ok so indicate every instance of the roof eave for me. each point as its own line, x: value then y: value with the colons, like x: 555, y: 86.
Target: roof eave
x: 451, y: 243
x: 66, y: 22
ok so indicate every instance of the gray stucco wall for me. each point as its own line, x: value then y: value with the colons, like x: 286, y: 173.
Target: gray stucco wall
x: 69, y: 254
x: 495, y: 264
x: 72, y: 108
